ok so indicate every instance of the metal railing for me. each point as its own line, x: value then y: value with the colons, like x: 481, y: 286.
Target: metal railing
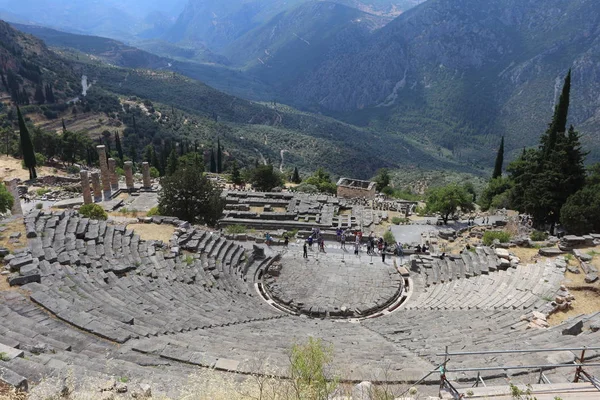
x: 578, y: 363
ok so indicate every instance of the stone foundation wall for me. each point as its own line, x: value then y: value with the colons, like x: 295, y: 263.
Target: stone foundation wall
x: 353, y: 192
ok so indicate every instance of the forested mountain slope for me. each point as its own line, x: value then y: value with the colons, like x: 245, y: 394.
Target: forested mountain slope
x: 170, y: 108
x: 296, y: 41
x: 459, y: 73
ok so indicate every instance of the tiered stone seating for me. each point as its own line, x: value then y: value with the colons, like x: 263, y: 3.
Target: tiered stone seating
x: 435, y: 270
x: 96, y: 299
x: 107, y: 281
x: 50, y: 348
x: 520, y: 288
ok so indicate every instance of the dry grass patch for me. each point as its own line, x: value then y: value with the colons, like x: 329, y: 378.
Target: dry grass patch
x: 528, y: 255
x: 153, y: 231
x: 92, y: 123
x: 258, y: 210
x: 10, y: 168
x: 586, y: 302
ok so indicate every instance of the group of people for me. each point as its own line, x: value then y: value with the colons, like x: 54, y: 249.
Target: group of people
x: 269, y: 239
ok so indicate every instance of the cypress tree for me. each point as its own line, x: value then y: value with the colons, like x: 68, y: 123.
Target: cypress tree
x: 219, y: 157
x: 296, y: 176
x: 213, y: 163
x: 26, y: 146
x: 4, y: 81
x: 134, y: 126
x: 559, y: 119
x: 118, y: 146
x: 499, y: 160
x: 64, y: 126
x: 50, y: 94
x: 236, y: 177
x: 39, y: 95
x: 154, y: 162
x: 172, y: 162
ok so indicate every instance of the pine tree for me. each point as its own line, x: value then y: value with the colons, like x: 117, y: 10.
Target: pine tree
x: 118, y: 146
x: 219, y: 157
x: 172, y: 162
x: 213, y: 163
x: 499, y: 161
x: 39, y: 95
x: 296, y: 176
x: 26, y: 146
x: 64, y: 127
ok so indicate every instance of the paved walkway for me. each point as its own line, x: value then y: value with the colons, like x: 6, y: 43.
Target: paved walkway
x: 336, y: 286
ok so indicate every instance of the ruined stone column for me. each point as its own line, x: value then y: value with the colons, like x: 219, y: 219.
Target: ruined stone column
x: 129, y: 175
x: 85, y: 187
x: 14, y: 191
x: 96, y: 186
x: 146, y: 175
x: 104, y: 171
x: 114, y: 179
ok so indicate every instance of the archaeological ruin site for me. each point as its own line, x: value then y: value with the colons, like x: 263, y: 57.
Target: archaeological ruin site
x: 92, y: 299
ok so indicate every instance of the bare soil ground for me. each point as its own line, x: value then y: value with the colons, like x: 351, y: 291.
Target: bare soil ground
x: 10, y: 168
x: 153, y: 231
x: 587, y: 295
x: 12, y: 227
x: 8, y: 393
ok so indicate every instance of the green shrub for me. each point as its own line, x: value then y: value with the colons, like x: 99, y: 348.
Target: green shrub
x: 41, y: 192
x: 154, y: 173
x: 120, y: 171
x: 388, y: 236
x: 152, y: 212
x: 93, y: 211
x: 538, y: 236
x: 399, y: 220
x: 236, y: 229
x: 292, y: 234
x: 39, y: 206
x: 40, y: 160
x: 308, y: 370
x: 490, y: 236
x: 73, y: 169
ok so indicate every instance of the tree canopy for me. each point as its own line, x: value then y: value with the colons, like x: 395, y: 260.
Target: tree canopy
x: 447, y: 200
x: 190, y: 196
x: 322, y: 181
x: 382, y: 179
x: 265, y: 178
x: 541, y: 180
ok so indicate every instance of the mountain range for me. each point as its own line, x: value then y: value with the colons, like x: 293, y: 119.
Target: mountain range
x: 448, y: 77
x: 169, y: 108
